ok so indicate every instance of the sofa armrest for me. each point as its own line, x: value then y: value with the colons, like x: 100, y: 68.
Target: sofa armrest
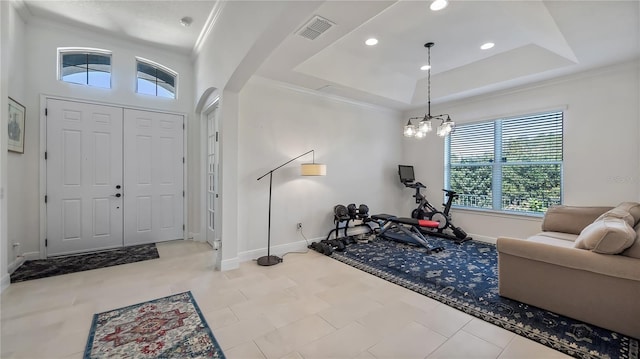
x: 580, y: 259
x: 570, y: 219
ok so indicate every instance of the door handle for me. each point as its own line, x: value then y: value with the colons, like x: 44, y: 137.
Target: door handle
x: 117, y: 195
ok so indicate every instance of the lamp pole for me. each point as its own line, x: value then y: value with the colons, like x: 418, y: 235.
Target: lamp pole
x: 270, y: 260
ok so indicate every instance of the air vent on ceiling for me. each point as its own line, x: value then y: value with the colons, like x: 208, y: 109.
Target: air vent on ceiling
x: 315, y: 27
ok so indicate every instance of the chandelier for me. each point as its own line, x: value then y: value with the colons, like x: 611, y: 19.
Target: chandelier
x: 424, y: 126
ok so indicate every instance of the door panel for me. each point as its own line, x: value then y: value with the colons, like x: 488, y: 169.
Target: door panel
x: 153, y: 176
x: 212, y: 175
x: 84, y: 165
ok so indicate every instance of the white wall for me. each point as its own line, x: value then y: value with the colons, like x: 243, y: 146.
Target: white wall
x: 40, y: 71
x: 601, y: 142
x: 5, y: 30
x: 243, y: 34
x: 13, y: 72
x: 278, y: 123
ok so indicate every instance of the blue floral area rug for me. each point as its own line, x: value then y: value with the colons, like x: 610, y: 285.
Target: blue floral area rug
x: 465, y: 277
x: 169, y: 327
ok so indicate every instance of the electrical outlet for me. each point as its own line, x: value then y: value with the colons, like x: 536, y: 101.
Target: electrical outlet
x: 299, y: 226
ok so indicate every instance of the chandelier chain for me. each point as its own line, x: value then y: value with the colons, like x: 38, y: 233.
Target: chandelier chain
x: 429, y: 81
x: 425, y: 125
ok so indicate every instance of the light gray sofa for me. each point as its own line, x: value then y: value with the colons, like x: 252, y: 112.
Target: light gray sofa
x: 585, y: 264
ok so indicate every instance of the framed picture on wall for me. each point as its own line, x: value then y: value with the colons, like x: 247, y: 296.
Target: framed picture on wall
x: 17, y: 114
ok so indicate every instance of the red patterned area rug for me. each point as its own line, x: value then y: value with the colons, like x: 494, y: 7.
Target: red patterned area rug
x: 169, y: 327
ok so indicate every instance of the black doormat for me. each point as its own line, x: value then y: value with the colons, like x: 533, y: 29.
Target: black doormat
x: 465, y: 277
x: 50, y: 267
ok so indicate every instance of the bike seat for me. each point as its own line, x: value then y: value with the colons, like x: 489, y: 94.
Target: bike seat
x: 450, y: 192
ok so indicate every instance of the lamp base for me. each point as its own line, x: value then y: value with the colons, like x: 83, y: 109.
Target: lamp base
x: 269, y: 260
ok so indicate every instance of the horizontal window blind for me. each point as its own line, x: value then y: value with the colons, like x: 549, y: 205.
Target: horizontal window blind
x: 511, y: 164
x: 532, y: 138
x: 472, y: 143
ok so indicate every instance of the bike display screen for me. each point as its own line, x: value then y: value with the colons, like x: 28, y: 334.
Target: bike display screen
x: 406, y: 173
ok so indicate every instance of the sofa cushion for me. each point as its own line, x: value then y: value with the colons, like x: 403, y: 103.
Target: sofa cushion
x: 607, y: 236
x: 570, y: 219
x: 554, y: 238
x: 634, y: 250
x: 633, y: 208
x: 619, y: 212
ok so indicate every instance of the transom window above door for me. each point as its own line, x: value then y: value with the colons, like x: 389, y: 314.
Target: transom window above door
x: 85, y: 66
x: 155, y: 79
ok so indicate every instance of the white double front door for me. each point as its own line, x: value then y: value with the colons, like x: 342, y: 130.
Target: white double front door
x: 114, y: 177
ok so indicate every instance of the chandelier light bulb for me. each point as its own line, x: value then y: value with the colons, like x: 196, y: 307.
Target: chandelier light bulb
x: 409, y: 129
x: 425, y: 126
x: 425, y: 67
x: 371, y: 42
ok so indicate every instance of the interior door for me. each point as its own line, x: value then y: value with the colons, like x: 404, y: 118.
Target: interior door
x: 153, y: 177
x: 84, y: 171
x: 212, y: 174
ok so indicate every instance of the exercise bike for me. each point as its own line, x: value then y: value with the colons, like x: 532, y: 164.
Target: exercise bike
x: 426, y: 210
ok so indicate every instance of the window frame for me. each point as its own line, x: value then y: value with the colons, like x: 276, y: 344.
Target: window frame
x: 497, y: 165
x: 62, y: 51
x: 157, y: 67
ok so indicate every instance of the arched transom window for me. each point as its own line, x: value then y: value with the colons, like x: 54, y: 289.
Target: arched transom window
x: 155, y: 79
x: 85, y: 66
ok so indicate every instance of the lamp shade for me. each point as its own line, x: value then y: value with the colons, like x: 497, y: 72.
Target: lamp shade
x: 313, y: 169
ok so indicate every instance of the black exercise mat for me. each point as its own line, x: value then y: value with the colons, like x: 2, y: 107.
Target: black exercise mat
x: 50, y: 267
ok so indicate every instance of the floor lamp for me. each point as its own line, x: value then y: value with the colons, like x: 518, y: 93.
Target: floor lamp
x: 307, y: 169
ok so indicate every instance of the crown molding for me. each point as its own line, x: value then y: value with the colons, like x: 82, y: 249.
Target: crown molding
x: 214, y: 15
x: 290, y: 87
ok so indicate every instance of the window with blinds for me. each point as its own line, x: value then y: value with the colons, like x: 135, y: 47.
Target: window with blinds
x: 154, y: 79
x: 512, y: 164
x: 85, y: 67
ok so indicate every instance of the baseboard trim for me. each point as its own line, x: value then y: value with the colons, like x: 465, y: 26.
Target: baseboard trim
x: 279, y: 250
x: 27, y: 256
x: 229, y: 264
x: 195, y: 237
x: 31, y: 256
x: 481, y: 238
x: 4, y: 283
x: 15, y: 264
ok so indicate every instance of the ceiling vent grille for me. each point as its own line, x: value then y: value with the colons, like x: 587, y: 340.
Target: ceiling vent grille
x: 315, y: 27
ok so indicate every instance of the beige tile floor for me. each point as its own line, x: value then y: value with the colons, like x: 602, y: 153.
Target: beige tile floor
x: 309, y: 306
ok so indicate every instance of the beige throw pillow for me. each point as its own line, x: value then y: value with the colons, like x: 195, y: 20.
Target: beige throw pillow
x: 633, y: 208
x: 618, y: 212
x: 607, y: 236
x: 634, y: 250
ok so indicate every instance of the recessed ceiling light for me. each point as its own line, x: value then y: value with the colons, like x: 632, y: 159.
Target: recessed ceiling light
x: 487, y: 46
x: 438, y: 5
x: 186, y: 21
x: 372, y: 41
x: 425, y: 67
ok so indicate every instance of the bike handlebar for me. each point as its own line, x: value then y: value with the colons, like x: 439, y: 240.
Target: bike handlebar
x: 414, y: 185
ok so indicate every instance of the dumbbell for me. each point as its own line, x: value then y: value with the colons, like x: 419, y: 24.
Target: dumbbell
x: 322, y: 248
x: 335, y: 244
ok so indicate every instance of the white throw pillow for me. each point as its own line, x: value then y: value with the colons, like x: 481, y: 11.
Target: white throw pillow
x: 608, y: 235
x: 618, y: 213
x: 633, y: 208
